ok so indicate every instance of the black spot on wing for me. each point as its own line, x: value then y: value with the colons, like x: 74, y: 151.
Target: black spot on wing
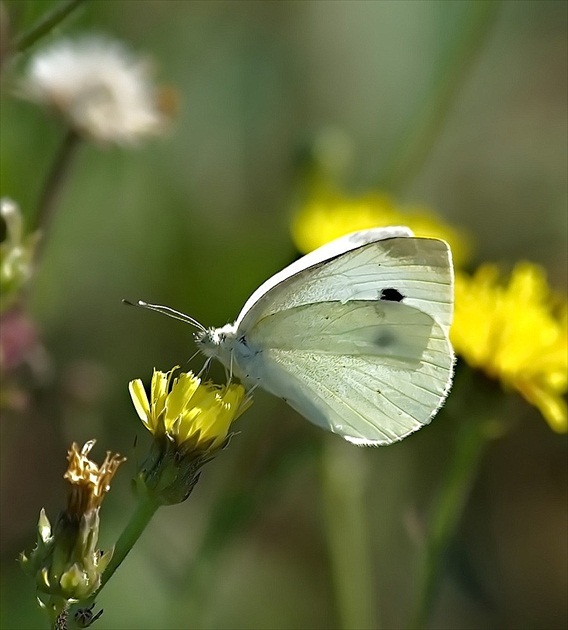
x: 385, y: 339
x: 391, y: 295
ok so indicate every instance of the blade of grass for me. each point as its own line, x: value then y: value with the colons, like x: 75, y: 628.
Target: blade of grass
x: 416, y: 141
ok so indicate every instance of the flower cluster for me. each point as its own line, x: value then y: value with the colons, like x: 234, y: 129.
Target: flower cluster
x: 329, y: 214
x: 515, y: 333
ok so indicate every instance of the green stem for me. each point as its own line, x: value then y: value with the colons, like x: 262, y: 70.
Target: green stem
x: 143, y: 514
x: 447, y: 513
x: 344, y: 483
x: 45, y: 24
x: 53, y: 186
x: 419, y: 137
x: 476, y: 405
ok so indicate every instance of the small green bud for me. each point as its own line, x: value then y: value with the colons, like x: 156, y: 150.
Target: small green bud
x: 16, y: 253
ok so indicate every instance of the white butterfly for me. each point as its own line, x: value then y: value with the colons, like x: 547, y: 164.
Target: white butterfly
x: 354, y: 335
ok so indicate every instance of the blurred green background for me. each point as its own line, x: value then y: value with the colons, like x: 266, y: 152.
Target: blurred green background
x: 198, y: 219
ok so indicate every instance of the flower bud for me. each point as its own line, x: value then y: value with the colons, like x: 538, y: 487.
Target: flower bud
x: 66, y: 564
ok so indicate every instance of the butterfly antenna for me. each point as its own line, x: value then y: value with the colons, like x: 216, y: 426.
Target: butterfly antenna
x: 166, y: 310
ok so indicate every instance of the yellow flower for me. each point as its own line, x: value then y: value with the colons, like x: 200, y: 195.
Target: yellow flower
x: 189, y: 420
x: 328, y: 214
x: 515, y: 333
x: 66, y: 564
x: 188, y: 410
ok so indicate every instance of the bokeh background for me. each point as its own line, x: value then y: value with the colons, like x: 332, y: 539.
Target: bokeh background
x: 198, y: 219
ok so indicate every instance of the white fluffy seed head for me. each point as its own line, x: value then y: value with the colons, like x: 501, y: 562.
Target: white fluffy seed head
x: 102, y: 89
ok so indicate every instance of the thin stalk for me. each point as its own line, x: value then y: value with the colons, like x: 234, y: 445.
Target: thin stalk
x: 144, y: 512
x: 45, y: 24
x: 476, y: 412
x: 344, y: 484
x: 420, y: 135
x: 447, y: 512
x: 53, y: 186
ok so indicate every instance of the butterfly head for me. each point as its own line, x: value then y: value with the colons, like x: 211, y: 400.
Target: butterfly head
x: 217, y: 342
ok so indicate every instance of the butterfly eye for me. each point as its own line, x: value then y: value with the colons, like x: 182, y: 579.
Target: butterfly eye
x: 391, y: 295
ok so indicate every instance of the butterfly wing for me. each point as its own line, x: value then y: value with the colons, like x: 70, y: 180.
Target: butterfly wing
x: 371, y: 371
x: 321, y: 254
x: 361, y: 266
x: 354, y: 336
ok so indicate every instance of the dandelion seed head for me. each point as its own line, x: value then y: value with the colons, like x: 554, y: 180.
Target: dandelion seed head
x: 102, y: 89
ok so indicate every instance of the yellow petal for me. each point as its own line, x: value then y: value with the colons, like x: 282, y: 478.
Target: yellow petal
x: 159, y: 385
x: 552, y: 407
x: 181, y: 394
x: 140, y: 400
